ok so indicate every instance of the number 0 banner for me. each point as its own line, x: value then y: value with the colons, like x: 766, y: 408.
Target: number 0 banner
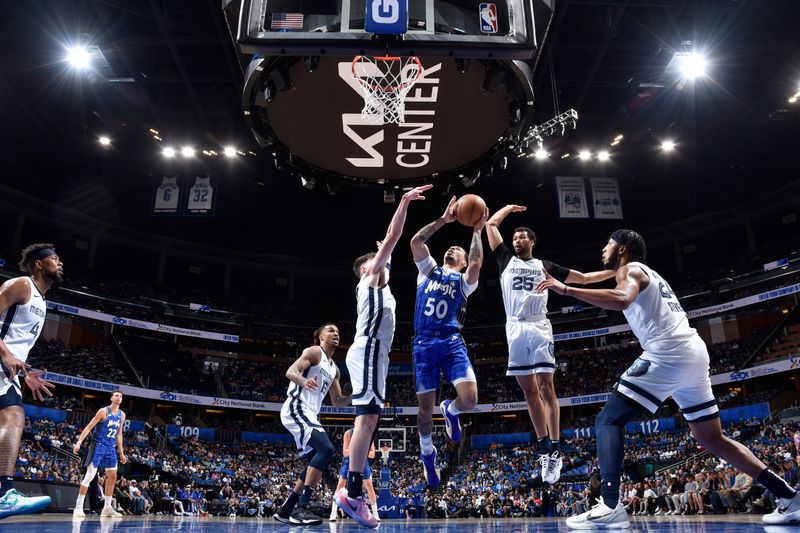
x: 572, y: 197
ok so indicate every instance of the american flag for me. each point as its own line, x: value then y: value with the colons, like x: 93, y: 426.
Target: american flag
x: 287, y: 21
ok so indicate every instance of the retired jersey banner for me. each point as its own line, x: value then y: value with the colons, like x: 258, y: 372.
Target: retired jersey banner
x: 166, y: 196
x: 572, y: 197
x: 201, y: 199
x: 607, y: 203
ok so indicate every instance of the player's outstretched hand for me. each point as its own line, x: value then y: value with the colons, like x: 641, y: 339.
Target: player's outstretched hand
x: 550, y: 283
x: 482, y: 221
x: 311, y: 384
x: 37, y: 384
x: 416, y: 193
x: 450, y: 212
x: 15, y: 366
x: 516, y: 208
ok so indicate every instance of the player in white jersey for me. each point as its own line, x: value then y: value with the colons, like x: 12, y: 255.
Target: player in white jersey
x: 531, y: 352
x: 674, y: 363
x: 22, y: 312
x: 368, y: 356
x: 313, y: 375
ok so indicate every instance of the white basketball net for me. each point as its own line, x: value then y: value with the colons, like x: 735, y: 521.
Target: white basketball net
x: 385, y: 82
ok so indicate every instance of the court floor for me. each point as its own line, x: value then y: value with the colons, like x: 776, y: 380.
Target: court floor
x: 60, y: 523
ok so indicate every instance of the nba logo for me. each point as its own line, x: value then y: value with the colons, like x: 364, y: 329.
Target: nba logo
x: 488, y: 15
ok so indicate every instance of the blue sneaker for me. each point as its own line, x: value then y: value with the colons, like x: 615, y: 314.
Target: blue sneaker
x: 429, y: 466
x: 14, y: 503
x: 451, y: 423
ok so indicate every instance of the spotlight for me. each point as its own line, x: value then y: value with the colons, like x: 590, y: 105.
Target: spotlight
x: 566, y: 156
x: 541, y: 154
x: 79, y: 57
x: 603, y: 156
x: 584, y: 155
x: 168, y: 152
x: 792, y: 99
x: 619, y: 137
x: 691, y: 65
x: 229, y: 151
x: 668, y: 146
x: 104, y: 141
x: 187, y: 151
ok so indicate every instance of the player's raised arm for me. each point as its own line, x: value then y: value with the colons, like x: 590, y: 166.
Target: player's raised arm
x: 418, y: 246
x: 475, y: 256
x: 98, y: 417
x: 492, y: 230
x: 310, y: 356
x: 395, y: 229
x: 629, y: 283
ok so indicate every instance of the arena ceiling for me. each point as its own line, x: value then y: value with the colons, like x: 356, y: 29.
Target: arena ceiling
x: 171, y: 67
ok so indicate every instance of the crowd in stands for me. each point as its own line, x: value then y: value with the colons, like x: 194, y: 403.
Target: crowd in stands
x: 92, y: 362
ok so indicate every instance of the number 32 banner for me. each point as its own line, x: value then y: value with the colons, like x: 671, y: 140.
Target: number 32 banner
x: 185, y: 196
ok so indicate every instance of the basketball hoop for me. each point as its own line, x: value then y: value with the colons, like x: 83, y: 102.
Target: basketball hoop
x: 385, y: 82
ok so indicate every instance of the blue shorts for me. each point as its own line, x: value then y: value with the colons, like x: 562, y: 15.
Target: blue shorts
x: 104, y: 457
x: 346, y: 468
x: 434, y: 357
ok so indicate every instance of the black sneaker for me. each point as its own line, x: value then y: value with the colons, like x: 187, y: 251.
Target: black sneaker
x: 303, y: 515
x: 282, y: 518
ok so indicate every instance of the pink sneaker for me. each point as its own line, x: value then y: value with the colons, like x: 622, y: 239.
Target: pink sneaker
x: 356, y: 508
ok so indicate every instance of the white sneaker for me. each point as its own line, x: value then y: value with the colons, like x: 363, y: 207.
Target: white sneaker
x: 788, y: 510
x: 544, y: 461
x: 109, y: 511
x: 78, y: 513
x: 601, y: 516
x: 552, y: 473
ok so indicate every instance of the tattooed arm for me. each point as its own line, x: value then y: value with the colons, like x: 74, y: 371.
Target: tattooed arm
x: 475, y: 257
x: 418, y: 246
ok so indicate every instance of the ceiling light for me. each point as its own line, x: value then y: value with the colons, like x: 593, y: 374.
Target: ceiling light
x: 79, y: 57
x: 229, y: 151
x: 168, y: 152
x: 584, y: 155
x: 187, y: 151
x: 692, y: 65
x: 668, y: 145
x: 565, y: 156
x: 792, y: 99
x: 541, y: 154
x: 603, y: 156
x: 619, y: 137
x: 105, y: 141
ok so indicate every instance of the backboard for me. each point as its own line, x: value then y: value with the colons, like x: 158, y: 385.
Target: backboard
x: 508, y: 29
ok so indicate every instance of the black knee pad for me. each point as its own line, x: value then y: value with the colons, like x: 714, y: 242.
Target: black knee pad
x: 323, y: 450
x: 618, y: 410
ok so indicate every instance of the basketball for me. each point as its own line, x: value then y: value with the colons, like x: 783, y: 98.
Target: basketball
x: 469, y: 209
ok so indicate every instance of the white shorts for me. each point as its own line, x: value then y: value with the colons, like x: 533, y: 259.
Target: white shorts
x: 368, y: 364
x: 300, y: 422
x: 530, y: 347
x: 682, y: 374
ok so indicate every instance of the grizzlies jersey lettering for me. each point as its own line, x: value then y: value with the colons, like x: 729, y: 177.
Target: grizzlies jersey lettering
x: 109, y: 428
x: 376, y: 313
x: 302, y: 398
x: 518, y: 281
x: 441, y: 301
x: 656, y: 317
x: 22, y: 323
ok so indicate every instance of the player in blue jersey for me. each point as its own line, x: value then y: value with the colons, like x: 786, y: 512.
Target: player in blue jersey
x: 438, y: 348
x: 107, y: 442
x: 22, y: 312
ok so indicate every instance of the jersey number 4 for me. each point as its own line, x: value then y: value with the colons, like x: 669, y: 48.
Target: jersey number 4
x: 438, y: 308
x: 521, y: 283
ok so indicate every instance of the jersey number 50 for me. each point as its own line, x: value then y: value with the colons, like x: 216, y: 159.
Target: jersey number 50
x: 439, y: 308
